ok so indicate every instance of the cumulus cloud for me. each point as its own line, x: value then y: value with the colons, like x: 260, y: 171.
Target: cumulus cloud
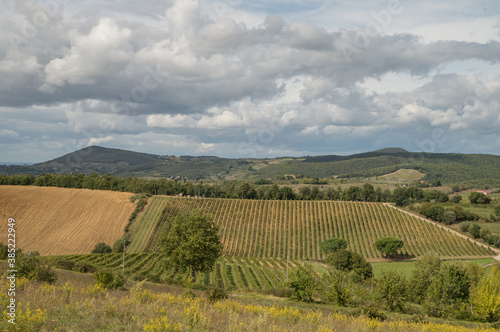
x: 99, y: 140
x: 208, y: 81
x: 101, y: 54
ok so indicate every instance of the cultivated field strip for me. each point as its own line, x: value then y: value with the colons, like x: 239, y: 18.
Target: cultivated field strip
x: 229, y: 272
x: 60, y: 221
x: 265, y: 229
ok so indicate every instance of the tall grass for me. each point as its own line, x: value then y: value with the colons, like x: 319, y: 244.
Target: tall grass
x: 68, y: 307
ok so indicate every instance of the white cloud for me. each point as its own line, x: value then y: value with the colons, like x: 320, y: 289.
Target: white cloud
x: 8, y: 132
x: 99, y: 140
x: 101, y: 54
x: 310, y: 130
x: 169, y: 121
x: 190, y: 77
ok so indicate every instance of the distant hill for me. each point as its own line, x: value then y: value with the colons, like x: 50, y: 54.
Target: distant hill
x: 449, y: 168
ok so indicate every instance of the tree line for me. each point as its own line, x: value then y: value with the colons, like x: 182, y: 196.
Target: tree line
x: 225, y: 189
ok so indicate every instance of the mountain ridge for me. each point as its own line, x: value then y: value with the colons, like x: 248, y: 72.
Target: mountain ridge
x: 445, y: 167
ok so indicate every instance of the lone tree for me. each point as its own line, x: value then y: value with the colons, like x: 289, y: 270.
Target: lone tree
x: 332, y: 245
x: 388, y: 245
x: 192, y: 242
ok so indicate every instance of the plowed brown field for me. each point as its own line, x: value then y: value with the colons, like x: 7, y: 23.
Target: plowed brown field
x: 62, y: 221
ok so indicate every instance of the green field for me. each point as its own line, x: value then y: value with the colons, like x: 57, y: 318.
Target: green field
x: 405, y: 267
x: 492, y: 227
x: 269, y: 229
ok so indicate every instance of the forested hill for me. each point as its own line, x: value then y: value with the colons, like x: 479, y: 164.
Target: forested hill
x: 449, y: 168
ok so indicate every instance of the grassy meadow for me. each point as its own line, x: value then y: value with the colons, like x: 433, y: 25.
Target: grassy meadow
x: 75, y: 303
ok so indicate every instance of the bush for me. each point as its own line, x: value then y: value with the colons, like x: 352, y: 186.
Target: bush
x: 33, y: 268
x: 346, y: 260
x: 338, y: 288
x: 479, y: 198
x: 456, y: 199
x: 44, y: 273
x: 474, y: 231
x: 109, y: 280
x: 392, y: 290
x: 118, y: 245
x: 464, y: 227
x: 423, y: 270
x: 72, y: 266
x: 484, y: 233
x: 449, y: 217
x: 216, y: 294
x: 101, y: 248
x: 4, y: 251
x: 372, y: 313
x: 303, y: 283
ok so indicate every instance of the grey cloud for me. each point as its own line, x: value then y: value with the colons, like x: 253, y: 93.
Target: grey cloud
x: 115, y: 69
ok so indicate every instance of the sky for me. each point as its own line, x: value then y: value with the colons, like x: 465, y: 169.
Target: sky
x: 248, y: 79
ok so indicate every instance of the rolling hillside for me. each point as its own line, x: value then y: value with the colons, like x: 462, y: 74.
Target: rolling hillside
x: 59, y: 221
x: 449, y: 168
x: 268, y: 229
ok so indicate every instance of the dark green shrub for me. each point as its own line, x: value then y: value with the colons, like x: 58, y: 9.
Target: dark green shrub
x: 109, y: 280
x: 44, y: 273
x: 464, y: 227
x: 372, y: 312
x: 64, y: 264
x: 484, y: 233
x: 33, y: 268
x: 449, y: 217
x: 156, y: 278
x: 118, y: 245
x: 303, y: 283
x: 346, y: 260
x: 479, y: 198
x: 84, y: 268
x: 101, y: 248
x: 474, y: 231
x: 392, y: 290
x: 3, y: 251
x: 26, y: 267
x: 216, y: 294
